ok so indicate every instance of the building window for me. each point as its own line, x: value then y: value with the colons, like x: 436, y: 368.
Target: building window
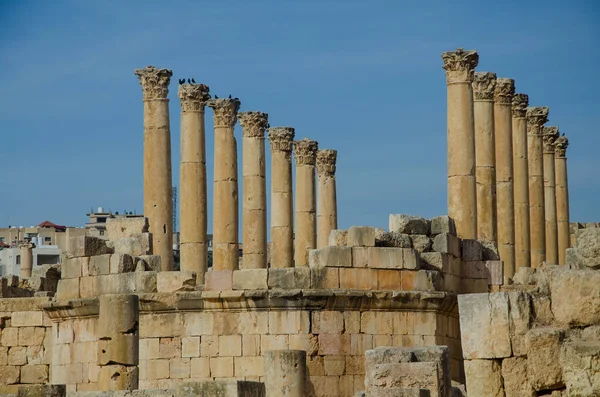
x: 47, y: 239
x: 102, y: 232
x: 18, y: 259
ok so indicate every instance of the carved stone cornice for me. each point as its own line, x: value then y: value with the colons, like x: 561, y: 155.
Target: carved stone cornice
x: 253, y: 124
x: 306, y: 152
x: 224, y: 111
x: 193, y: 97
x: 460, y: 65
x: 282, y: 139
x: 536, y: 118
x: 560, y: 146
x: 519, y: 105
x: 504, y: 92
x: 154, y: 81
x: 326, y: 159
x: 484, y: 84
x: 549, y: 135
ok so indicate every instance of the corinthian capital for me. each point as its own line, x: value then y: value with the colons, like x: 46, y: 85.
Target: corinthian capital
x: 537, y: 117
x: 305, y: 151
x: 560, y: 146
x: 519, y: 105
x: 154, y: 81
x: 460, y: 65
x: 505, y: 90
x: 193, y: 97
x: 281, y: 139
x: 549, y: 135
x: 253, y: 124
x: 224, y: 111
x: 484, y: 84
x: 326, y: 159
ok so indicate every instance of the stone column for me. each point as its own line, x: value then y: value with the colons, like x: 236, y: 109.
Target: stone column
x: 550, y: 134
x: 158, y: 200
x: 285, y: 373
x: 254, y: 220
x: 306, y: 222
x: 505, y: 89
x: 326, y: 199
x: 118, y: 342
x: 192, y: 185
x: 484, y: 84
x: 225, y: 212
x: 26, y: 265
x: 462, y: 194
x: 521, y: 181
x: 536, y: 118
x: 282, y: 219
x: 562, y: 197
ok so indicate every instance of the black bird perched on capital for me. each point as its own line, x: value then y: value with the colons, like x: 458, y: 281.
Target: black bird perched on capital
x: 181, y: 81
x: 216, y: 97
x: 193, y: 81
x: 189, y: 82
x: 229, y: 96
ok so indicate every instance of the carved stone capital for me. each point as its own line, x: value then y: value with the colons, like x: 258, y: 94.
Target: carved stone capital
x: 549, y: 135
x: 460, y: 65
x: 154, y: 81
x: 281, y: 139
x: 505, y: 90
x: 253, y: 124
x: 560, y: 146
x: 326, y: 159
x: 306, y: 151
x: 224, y: 111
x: 484, y: 84
x: 27, y: 245
x: 536, y: 118
x: 193, y: 97
x: 519, y: 105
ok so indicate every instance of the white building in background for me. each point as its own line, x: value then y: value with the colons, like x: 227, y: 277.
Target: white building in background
x: 10, y: 258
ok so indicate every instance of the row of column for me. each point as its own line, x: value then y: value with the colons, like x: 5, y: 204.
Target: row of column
x: 287, y: 250
x: 504, y: 169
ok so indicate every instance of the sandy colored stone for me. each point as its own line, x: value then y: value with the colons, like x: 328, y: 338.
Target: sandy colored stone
x: 543, y: 352
x: 305, y: 205
x: 325, y: 278
x: 217, y: 280
x: 514, y: 377
x: 575, y: 309
x: 118, y: 377
x: 289, y: 278
x: 484, y: 378
x: 87, y: 246
x: 285, y: 373
x: 42, y: 391
x: 580, y: 362
x: 338, y: 238
x: 326, y: 195
x: 408, y: 224
x: 447, y: 244
x: 331, y: 256
x: 360, y: 236
x: 135, y: 245
x: 172, y: 281
x: 117, y: 228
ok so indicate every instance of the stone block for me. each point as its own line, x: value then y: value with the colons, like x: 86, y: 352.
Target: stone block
x: 520, y: 315
x: 588, y: 247
x: 428, y: 280
x: 9, y: 374
x: 580, y: 362
x: 360, y: 256
x: 288, y: 322
x: 384, y: 238
x: 484, y: 378
x: 435, y: 261
x: 360, y: 236
x: 327, y: 322
x: 71, y: 267
x: 337, y: 238
x: 250, y: 279
x: 67, y: 289
x: 17, y: 355
x: 149, y: 262
x: 218, y: 280
x: 543, y: 358
x: 230, y: 345
x: 358, y: 278
x: 221, y: 367
x: 421, y: 243
x: 472, y: 250
x: 221, y: 388
x: 289, y: 278
x: 330, y: 257
x: 484, y: 321
x: 179, y: 368
x: 87, y: 246
x: 121, y: 263
x: 42, y: 391
x: 392, y: 258
x: 442, y: 224
x: 447, y: 243
x: 27, y: 318
x: 117, y: 228
x: 325, y: 278
x: 389, y: 279
x: 174, y: 281
x: 495, y: 272
x: 409, y: 224
x: 134, y: 245
x: 99, y: 265
x: 575, y: 309
x: 118, y: 377
x: 514, y: 376
x: 34, y: 374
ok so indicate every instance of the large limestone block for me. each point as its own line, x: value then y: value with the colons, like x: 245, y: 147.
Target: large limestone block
x: 520, y: 313
x: 42, y: 391
x: 174, y: 281
x: 118, y: 377
x: 134, y: 245
x: 514, y: 374
x: 485, y: 325
x: 403, y: 375
x: 285, y: 373
x: 289, y: 278
x: 442, y: 224
x: 392, y: 258
x: 99, y: 265
x: 338, y: 238
x: 221, y: 388
x: 397, y: 392
x: 361, y: 236
x: 121, y: 263
x: 543, y: 353
x: 384, y: 238
x: 484, y: 378
x: 421, y: 242
x: 580, y: 362
x: 575, y: 296
x: 447, y: 243
x: 117, y: 228
x: 588, y: 247
x: 331, y: 256
x: 409, y: 224
x: 87, y: 246
x: 148, y: 262
x: 250, y: 279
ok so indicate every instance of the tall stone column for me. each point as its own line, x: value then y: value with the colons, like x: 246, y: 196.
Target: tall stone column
x: 505, y: 89
x: 225, y: 216
x: 285, y: 373
x: 282, y: 219
x: 550, y: 134
x: 306, y: 222
x: 26, y: 266
x: 521, y: 181
x: 462, y: 193
x: 192, y: 185
x: 158, y: 199
x: 562, y: 197
x: 536, y: 118
x: 484, y: 84
x: 327, y: 198
x: 254, y: 219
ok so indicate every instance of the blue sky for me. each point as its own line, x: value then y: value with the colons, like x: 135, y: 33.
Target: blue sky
x: 362, y: 77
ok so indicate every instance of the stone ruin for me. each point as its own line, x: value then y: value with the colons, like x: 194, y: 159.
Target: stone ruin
x: 500, y: 298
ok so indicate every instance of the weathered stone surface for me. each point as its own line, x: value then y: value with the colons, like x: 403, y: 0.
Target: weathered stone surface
x: 543, y: 353
x: 34, y: 374
x: 118, y: 228
x: 447, y: 244
x: 121, y: 263
x: 472, y: 250
x: 285, y: 373
x: 289, y: 278
x: 484, y: 378
x: 88, y: 246
x: 514, y: 375
x: 580, y: 362
x: 361, y: 236
x: 487, y: 319
x: 575, y: 309
x: 250, y: 279
x: 384, y: 238
x: 588, y: 247
x: 442, y: 224
x: 99, y: 265
x: 428, y: 280
x: 409, y: 224
x: 134, y: 245
x: 43, y: 391
x: 118, y: 377
x: 9, y: 374
x: 221, y: 388
x: 337, y: 238
x: 149, y: 262
x: 436, y: 260
x: 399, y: 392
x: 421, y: 243
x: 331, y: 256
x: 175, y: 281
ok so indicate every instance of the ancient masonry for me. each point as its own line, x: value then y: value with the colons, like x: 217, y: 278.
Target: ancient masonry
x: 500, y: 298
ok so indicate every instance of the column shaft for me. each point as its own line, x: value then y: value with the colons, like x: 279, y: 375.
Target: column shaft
x: 536, y: 117
x: 327, y: 198
x: 26, y: 265
x: 462, y: 193
x: 254, y: 220
x: 550, y: 135
x: 306, y: 222
x: 562, y: 197
x: 158, y: 199
x: 505, y: 89
x: 282, y: 219
x: 192, y: 185
x: 521, y: 181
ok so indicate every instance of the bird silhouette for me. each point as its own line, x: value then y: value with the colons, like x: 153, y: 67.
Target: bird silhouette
x: 229, y: 96
x: 563, y: 134
x: 268, y: 125
x: 181, y: 81
x: 193, y: 81
x: 189, y: 82
x: 216, y: 97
